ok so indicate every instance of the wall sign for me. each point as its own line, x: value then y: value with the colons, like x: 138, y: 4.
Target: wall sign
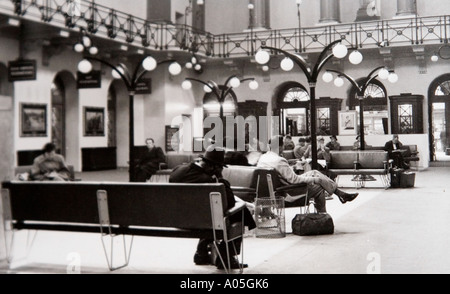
x: 90, y: 80
x: 22, y: 70
x: 144, y: 86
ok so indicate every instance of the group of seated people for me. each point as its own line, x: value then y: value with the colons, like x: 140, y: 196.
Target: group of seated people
x: 320, y: 186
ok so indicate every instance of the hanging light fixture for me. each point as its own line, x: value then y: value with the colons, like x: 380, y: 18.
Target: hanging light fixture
x: 175, y: 68
x: 383, y: 74
x: 287, y: 64
x: 356, y: 57
x: 340, y: 51
x: 327, y: 77
x: 339, y: 82
x: 186, y: 85
x: 149, y: 63
x: 262, y: 57
x: 85, y: 66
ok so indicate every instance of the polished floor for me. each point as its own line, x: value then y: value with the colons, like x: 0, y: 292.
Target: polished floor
x: 394, y: 231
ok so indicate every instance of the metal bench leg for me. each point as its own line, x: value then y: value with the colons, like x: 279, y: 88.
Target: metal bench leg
x: 110, y: 255
x: 105, y: 230
x: 7, y: 225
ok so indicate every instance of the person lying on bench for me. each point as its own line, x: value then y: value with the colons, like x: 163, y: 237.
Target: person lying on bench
x: 209, y: 170
x: 318, y: 183
x: 49, y: 166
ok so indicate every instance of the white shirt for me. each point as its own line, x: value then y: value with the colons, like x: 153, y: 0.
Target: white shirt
x: 281, y: 165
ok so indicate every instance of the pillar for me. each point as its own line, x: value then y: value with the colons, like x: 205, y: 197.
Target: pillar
x: 329, y: 11
x: 261, y: 15
x: 406, y: 8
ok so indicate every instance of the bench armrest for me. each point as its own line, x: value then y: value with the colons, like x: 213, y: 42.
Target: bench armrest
x: 239, y: 206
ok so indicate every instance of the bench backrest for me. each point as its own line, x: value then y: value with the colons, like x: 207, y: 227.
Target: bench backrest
x: 53, y: 201
x: 185, y: 206
x: 372, y: 159
x: 162, y: 205
x: 343, y: 159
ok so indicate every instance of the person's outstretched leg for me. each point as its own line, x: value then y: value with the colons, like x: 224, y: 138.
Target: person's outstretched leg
x: 331, y: 187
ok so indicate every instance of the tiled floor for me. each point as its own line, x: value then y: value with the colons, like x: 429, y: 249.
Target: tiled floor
x: 383, y: 231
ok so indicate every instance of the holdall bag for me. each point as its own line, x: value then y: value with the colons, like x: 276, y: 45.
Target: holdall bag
x: 312, y: 224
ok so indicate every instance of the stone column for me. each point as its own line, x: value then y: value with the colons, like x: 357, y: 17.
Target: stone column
x: 406, y: 8
x: 329, y: 11
x: 260, y: 18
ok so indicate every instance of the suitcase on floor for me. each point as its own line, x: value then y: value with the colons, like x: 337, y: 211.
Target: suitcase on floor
x: 407, y: 180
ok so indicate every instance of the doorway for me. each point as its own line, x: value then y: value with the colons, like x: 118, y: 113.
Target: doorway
x: 439, y: 113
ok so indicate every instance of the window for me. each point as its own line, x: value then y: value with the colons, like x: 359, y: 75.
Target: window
x: 443, y: 89
x: 296, y: 94
x: 405, y: 112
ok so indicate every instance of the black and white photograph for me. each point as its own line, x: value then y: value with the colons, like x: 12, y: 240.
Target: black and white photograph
x: 272, y: 139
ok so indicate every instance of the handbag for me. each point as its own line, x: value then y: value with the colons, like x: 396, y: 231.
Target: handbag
x: 312, y: 224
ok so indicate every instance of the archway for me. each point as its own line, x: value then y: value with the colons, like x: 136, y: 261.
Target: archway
x: 439, y: 118
x: 65, y: 117
x: 290, y: 104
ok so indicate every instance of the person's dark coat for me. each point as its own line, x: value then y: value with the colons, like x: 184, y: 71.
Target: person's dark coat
x: 192, y: 173
x: 149, y: 163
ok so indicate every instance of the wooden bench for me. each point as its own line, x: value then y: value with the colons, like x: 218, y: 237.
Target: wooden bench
x: 362, y: 164
x: 113, y: 209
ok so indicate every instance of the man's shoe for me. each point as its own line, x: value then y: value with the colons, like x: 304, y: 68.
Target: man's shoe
x: 348, y: 197
x: 200, y: 259
x: 234, y: 264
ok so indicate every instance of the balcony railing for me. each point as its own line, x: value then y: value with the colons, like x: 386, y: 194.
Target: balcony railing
x: 110, y: 23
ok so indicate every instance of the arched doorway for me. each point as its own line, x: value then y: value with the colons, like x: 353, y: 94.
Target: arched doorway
x: 65, y: 117
x: 439, y: 115
x: 375, y: 105
x: 212, y: 107
x: 291, y: 105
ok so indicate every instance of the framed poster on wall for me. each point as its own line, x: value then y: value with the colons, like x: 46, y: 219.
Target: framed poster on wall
x: 172, y: 138
x: 33, y: 120
x: 347, y: 123
x: 94, y: 122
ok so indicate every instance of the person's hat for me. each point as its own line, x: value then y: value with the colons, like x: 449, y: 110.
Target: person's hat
x: 215, y: 155
x: 333, y: 136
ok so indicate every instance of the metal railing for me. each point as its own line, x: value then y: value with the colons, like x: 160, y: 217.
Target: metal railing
x: 110, y: 23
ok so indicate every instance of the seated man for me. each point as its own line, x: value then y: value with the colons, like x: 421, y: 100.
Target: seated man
x: 318, y: 183
x: 149, y: 164
x: 395, y: 150
x: 50, y: 166
x: 209, y: 170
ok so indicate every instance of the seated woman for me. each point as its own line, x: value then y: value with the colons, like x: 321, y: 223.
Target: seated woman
x: 49, y: 166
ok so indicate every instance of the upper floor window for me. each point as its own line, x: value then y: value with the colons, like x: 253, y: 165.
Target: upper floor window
x: 443, y: 89
x: 296, y: 94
